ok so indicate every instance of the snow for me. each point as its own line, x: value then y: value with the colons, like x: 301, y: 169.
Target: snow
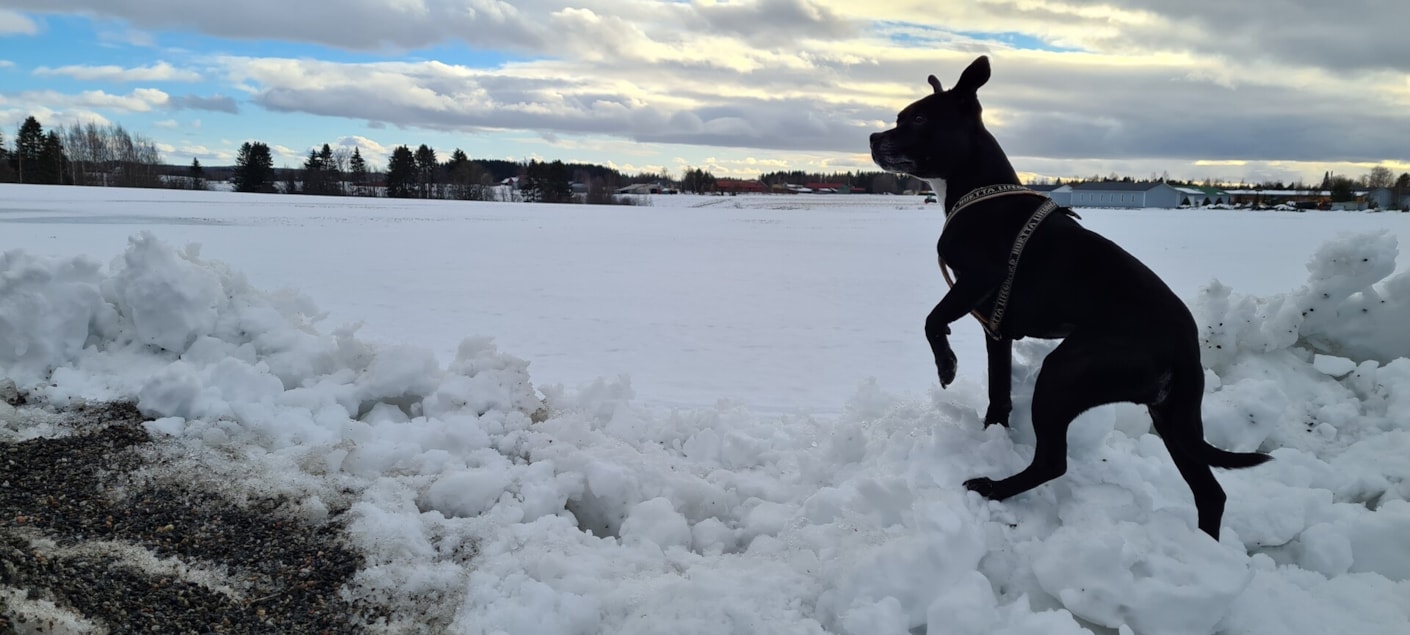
x: 717, y: 414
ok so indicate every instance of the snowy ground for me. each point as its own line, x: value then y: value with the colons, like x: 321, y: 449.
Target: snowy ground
x: 732, y: 424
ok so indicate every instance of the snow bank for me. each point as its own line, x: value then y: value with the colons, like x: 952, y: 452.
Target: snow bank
x: 485, y: 505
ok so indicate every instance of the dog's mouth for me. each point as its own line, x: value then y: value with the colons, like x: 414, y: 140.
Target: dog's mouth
x: 885, y: 156
x: 894, y: 164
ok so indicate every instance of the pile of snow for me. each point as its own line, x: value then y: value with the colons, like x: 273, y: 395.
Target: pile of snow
x: 484, y: 504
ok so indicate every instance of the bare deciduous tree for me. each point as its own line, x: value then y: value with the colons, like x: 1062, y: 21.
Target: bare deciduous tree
x: 1380, y: 176
x: 110, y: 155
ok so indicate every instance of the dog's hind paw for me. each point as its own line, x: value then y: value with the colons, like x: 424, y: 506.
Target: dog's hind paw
x: 996, y: 417
x: 983, y: 486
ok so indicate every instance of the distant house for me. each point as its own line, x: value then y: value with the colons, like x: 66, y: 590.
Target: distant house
x: 740, y: 186
x: 1307, y: 199
x: 830, y: 188
x: 1388, y: 198
x: 1196, y: 196
x: 1061, y: 194
x: 1128, y: 194
x: 640, y: 188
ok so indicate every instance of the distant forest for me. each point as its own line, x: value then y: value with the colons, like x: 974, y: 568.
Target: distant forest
x: 110, y: 155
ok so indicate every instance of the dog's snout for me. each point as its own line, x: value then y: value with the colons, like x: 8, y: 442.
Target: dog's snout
x: 880, y: 142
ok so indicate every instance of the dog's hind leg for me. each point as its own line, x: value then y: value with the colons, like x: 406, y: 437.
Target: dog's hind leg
x: 1177, y: 419
x: 1000, y: 381
x: 1081, y: 373
x: 1182, y: 429
x: 1209, y: 496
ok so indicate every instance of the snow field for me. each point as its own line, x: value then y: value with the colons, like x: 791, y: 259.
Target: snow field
x: 487, y: 504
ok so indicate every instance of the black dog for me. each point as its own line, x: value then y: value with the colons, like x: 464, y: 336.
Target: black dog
x: 1127, y: 336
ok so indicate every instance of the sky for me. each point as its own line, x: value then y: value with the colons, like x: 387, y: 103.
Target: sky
x: 1259, y: 90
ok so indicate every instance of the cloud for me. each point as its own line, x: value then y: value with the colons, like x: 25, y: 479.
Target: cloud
x: 1039, y: 105
x: 1348, y: 35
x: 1128, y: 111
x: 126, y: 37
x: 139, y: 100
x: 1127, y: 80
x: 159, y: 72
x: 87, y: 103
x: 369, y: 25
x: 443, y: 97
x: 769, y: 22
x: 217, y: 103
x: 526, y: 26
x: 14, y: 23
x: 11, y: 116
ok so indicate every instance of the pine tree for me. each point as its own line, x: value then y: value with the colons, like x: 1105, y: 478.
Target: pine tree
x: 29, y: 147
x: 401, y: 173
x: 332, y: 175
x: 1341, y: 189
x: 321, y: 173
x: 462, y: 177
x: 545, y: 182
x: 700, y: 181
x: 426, y: 169
x: 312, y: 174
x: 7, y: 173
x: 357, y: 168
x: 254, y: 168
x: 52, y: 167
x: 197, y: 174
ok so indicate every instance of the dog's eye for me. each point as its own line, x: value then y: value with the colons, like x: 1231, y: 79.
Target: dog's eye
x: 918, y: 119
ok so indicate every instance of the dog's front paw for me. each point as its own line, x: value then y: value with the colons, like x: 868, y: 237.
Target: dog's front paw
x: 982, y: 485
x: 947, y: 365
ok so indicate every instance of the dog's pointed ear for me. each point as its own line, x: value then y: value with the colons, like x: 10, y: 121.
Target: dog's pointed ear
x: 935, y: 83
x: 975, y: 76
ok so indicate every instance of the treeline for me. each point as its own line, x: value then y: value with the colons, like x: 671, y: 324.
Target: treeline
x: 80, y: 155
x: 1377, y: 177
x: 93, y: 154
x: 874, y: 182
x: 420, y: 173
x: 1339, y: 187
x: 110, y: 155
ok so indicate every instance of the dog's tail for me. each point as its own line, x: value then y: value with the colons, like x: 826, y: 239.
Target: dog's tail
x: 1224, y: 458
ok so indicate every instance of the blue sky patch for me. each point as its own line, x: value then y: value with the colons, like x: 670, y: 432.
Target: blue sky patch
x: 910, y: 34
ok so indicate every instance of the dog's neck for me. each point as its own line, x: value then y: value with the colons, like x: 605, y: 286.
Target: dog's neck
x: 988, y: 165
x: 941, y: 189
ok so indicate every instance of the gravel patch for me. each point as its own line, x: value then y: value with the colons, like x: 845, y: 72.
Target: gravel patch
x: 90, y: 544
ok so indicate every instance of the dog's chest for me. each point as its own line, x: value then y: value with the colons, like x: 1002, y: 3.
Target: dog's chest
x: 980, y: 238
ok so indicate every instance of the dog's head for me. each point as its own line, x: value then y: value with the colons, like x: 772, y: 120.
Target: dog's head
x: 936, y: 133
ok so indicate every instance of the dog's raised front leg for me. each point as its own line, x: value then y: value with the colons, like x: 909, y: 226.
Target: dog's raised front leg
x: 937, y: 333
x: 1000, y: 381
x: 961, y: 299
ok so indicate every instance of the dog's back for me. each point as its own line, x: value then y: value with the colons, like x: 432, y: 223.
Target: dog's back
x: 1068, y: 276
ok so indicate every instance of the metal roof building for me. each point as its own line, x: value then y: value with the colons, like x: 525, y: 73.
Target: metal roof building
x: 1127, y: 194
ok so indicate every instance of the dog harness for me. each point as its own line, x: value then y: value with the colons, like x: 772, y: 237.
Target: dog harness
x: 991, y: 325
